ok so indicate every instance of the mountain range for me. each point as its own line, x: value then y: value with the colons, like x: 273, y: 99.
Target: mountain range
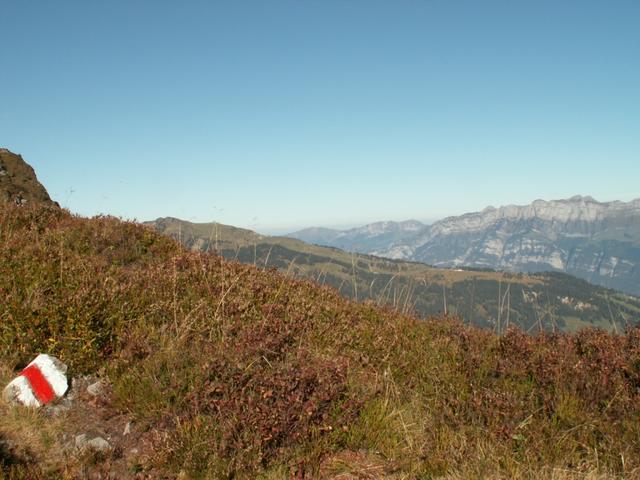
x: 595, y: 241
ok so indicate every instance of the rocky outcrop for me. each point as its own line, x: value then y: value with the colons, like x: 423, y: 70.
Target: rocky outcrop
x: 599, y: 242
x: 18, y: 181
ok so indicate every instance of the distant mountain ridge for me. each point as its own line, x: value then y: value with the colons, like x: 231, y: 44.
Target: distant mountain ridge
x: 366, y: 239
x: 596, y: 241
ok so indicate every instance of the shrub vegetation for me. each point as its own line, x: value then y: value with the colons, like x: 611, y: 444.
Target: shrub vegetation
x: 240, y: 372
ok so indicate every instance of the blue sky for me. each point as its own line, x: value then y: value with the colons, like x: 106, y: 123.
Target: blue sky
x: 276, y: 115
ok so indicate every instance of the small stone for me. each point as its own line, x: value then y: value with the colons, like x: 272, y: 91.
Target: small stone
x: 127, y: 429
x: 60, y: 407
x: 81, y: 441
x: 6, y: 445
x: 56, y: 410
x: 96, y: 389
x: 98, y: 444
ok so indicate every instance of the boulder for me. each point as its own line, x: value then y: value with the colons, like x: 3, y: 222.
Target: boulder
x: 42, y: 381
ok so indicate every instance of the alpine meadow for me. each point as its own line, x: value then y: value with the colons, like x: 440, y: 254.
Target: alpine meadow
x: 333, y: 240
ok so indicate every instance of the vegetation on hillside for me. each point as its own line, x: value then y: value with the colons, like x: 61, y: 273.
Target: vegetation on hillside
x: 486, y: 298
x: 234, y: 371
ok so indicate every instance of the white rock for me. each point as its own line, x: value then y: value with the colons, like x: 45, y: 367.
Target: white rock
x: 19, y: 392
x: 50, y: 371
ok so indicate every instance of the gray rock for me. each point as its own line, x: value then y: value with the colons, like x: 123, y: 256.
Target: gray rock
x: 81, y: 441
x: 96, y: 389
x: 98, y: 444
x: 59, y: 407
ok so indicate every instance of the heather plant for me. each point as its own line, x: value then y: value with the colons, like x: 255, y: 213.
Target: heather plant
x: 235, y: 371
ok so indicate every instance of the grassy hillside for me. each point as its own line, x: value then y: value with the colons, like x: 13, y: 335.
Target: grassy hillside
x: 489, y: 299
x: 230, y: 371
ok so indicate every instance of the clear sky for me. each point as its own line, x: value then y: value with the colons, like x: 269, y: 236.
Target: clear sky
x: 282, y: 114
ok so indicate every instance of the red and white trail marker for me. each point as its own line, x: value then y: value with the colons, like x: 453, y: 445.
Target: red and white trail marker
x: 41, y: 381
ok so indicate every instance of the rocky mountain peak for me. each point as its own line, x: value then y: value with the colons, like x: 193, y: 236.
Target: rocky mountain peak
x: 574, y: 209
x: 18, y: 181
x: 596, y: 241
x: 580, y: 198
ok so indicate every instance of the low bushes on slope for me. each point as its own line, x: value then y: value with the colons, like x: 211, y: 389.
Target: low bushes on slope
x: 239, y: 372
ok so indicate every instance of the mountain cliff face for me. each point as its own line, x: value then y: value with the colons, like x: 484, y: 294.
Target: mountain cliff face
x: 596, y: 241
x: 18, y: 181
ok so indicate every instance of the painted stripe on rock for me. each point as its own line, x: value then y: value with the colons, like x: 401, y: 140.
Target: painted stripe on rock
x: 39, y: 383
x: 52, y: 373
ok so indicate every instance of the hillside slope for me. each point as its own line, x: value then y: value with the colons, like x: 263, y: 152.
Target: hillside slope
x: 18, y: 181
x: 488, y: 299
x: 230, y: 371
x: 596, y: 241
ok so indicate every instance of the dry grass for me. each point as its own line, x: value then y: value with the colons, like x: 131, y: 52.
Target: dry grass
x: 237, y: 372
x: 37, y: 434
